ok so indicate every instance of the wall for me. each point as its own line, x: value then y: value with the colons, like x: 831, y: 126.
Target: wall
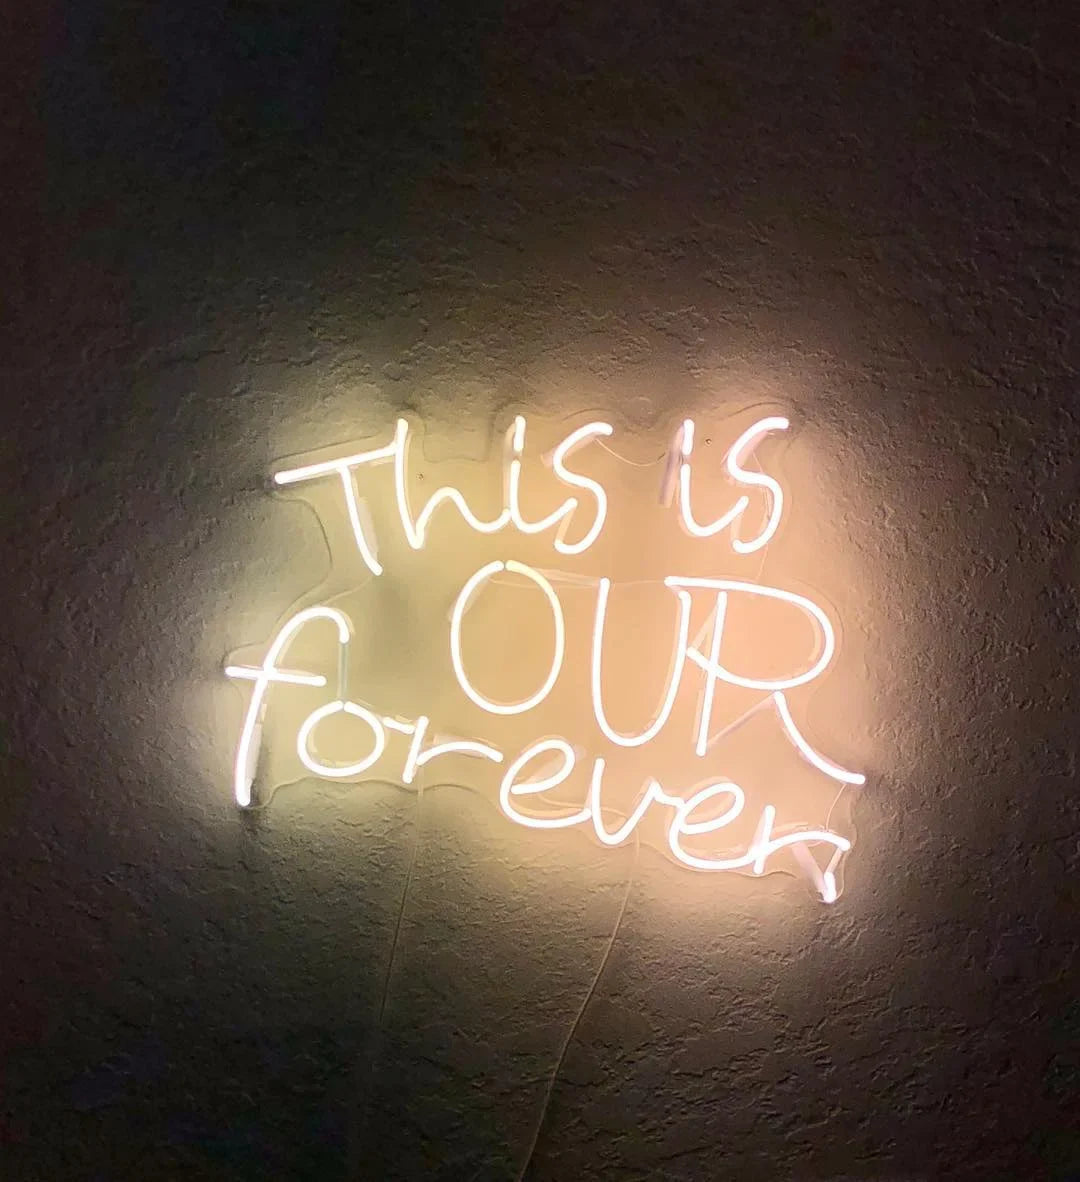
x: 236, y: 237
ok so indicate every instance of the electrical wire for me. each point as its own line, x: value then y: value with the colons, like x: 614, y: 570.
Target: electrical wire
x: 357, y: 1134
x: 549, y: 1091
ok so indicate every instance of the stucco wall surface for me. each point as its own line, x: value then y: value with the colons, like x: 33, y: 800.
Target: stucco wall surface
x: 235, y: 236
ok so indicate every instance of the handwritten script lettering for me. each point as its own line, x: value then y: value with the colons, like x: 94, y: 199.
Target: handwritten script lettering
x: 540, y: 785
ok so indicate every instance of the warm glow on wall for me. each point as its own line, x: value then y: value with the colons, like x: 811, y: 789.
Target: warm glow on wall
x: 601, y: 621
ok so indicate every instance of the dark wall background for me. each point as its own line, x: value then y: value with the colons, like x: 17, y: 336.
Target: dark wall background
x: 235, y: 231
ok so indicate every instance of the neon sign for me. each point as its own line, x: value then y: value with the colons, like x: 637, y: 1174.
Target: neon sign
x: 560, y: 781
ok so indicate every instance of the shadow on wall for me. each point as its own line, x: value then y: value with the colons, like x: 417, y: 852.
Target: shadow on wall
x: 221, y: 271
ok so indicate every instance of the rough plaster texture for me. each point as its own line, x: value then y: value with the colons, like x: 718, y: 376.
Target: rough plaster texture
x: 237, y: 235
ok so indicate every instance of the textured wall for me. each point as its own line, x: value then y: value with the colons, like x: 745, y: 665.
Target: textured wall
x: 234, y: 237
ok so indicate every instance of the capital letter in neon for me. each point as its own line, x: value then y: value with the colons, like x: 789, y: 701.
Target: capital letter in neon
x: 674, y: 677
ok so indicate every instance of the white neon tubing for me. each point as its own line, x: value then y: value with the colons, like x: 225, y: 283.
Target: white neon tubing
x: 365, y: 545
x: 511, y: 787
x: 802, y: 836
x: 692, y: 527
x: 289, y: 629
x: 680, y: 824
x: 574, y: 440
x: 247, y: 750
x: 765, y: 845
x: 563, y: 515
x: 460, y: 606
x: 395, y: 724
x: 799, y: 601
x: 707, y: 792
x: 513, y: 495
x: 653, y: 792
x: 714, y: 527
x: 823, y: 880
x: 745, y: 444
x: 330, y: 467
x: 343, y: 469
x: 760, y: 845
x: 702, y: 743
x: 416, y: 758
x: 831, y: 769
x: 674, y: 679
x: 513, y: 490
x: 412, y: 760
x: 416, y: 529
x: 333, y: 771
x: 460, y: 747
x: 686, y: 438
x: 736, y: 453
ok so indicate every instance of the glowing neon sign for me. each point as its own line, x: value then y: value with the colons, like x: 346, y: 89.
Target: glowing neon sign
x: 535, y: 789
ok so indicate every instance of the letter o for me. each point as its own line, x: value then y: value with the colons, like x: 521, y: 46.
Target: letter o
x: 339, y: 771
x: 462, y: 602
